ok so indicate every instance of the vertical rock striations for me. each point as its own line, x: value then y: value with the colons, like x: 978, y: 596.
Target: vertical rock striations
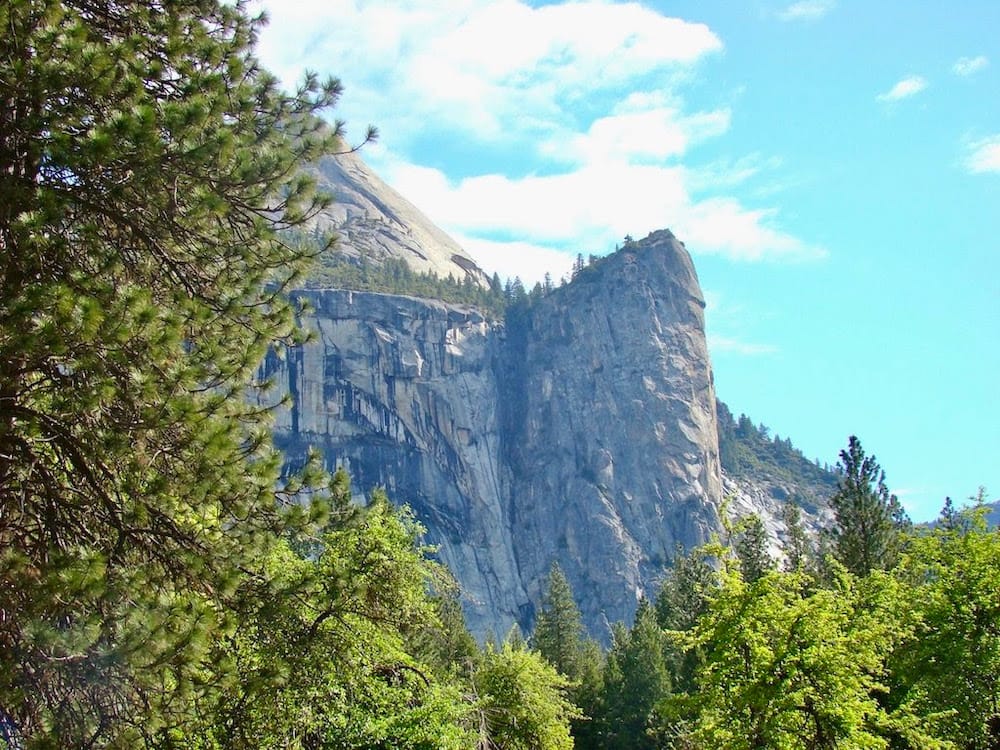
x: 612, y: 439
x: 582, y: 432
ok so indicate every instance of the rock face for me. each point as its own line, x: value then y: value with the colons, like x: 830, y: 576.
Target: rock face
x: 582, y: 433
x: 610, y: 427
x: 374, y: 221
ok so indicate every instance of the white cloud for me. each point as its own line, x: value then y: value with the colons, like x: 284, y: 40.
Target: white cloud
x: 807, y: 10
x: 572, y: 164
x: 477, y: 65
x: 967, y: 66
x: 907, y: 87
x: 526, y: 260
x: 984, y: 155
x: 642, y: 135
x: 727, y: 345
x: 723, y: 226
x: 591, y: 208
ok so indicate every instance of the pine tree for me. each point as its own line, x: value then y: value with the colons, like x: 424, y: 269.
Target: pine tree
x: 560, y: 638
x: 798, y: 549
x: 685, y: 591
x: 869, y: 519
x: 751, y: 548
x: 559, y: 633
x: 145, y: 164
x: 636, y: 679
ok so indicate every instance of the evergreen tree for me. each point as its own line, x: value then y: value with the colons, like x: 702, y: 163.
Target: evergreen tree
x: 636, y: 679
x: 685, y: 591
x: 559, y: 634
x: 145, y: 164
x: 751, y: 548
x: 683, y: 598
x: 560, y: 638
x: 869, y: 520
x: 798, y: 550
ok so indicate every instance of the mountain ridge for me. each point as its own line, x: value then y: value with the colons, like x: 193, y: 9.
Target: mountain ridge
x: 579, y: 430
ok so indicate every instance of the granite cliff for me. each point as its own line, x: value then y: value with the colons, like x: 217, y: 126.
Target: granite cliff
x: 373, y: 221
x: 581, y: 432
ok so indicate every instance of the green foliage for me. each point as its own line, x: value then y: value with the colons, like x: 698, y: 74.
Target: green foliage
x: 559, y: 634
x: 394, y: 276
x: 559, y: 637
x: 751, y: 548
x: 790, y: 667
x: 145, y: 164
x: 636, y: 679
x: 321, y: 651
x: 799, y: 551
x: 950, y: 672
x: 869, y: 520
x: 522, y: 701
x: 686, y: 590
x: 747, y: 451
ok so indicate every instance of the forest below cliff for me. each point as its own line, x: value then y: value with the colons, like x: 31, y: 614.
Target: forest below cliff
x: 164, y: 585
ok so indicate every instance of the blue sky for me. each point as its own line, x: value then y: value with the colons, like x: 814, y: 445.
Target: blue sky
x: 832, y: 165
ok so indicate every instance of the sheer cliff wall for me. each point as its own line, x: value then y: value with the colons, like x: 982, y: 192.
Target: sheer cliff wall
x: 582, y: 432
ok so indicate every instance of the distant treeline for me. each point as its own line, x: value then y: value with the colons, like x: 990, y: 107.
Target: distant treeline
x: 748, y: 450
x: 496, y: 298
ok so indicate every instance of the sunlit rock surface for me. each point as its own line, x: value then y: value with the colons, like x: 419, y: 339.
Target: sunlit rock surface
x: 583, y: 432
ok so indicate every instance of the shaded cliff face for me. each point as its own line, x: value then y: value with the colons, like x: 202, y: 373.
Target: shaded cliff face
x: 583, y: 433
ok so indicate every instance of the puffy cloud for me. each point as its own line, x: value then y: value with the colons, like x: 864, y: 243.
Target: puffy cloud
x: 967, y: 66
x: 807, y: 10
x: 643, y: 135
x: 984, y: 155
x: 478, y: 65
x: 907, y: 87
x: 526, y: 260
x: 589, y: 209
x: 573, y: 163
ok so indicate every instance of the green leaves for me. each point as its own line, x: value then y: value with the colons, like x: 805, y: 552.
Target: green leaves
x: 786, y: 668
x: 522, y: 701
x: 949, y: 674
x: 145, y: 165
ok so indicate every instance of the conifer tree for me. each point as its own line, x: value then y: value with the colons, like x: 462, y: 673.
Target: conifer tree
x: 798, y: 549
x: 685, y: 590
x: 558, y: 633
x: 869, y: 519
x: 560, y: 638
x: 145, y: 164
x: 636, y: 679
x: 751, y: 548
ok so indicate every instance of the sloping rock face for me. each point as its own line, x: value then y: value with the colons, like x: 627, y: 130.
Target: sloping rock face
x: 374, y: 221
x: 582, y: 433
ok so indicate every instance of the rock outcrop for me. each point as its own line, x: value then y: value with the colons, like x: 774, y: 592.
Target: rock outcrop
x: 583, y: 432
x: 374, y: 221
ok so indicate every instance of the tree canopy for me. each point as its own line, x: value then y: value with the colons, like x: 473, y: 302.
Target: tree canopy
x: 869, y: 519
x: 146, y: 162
